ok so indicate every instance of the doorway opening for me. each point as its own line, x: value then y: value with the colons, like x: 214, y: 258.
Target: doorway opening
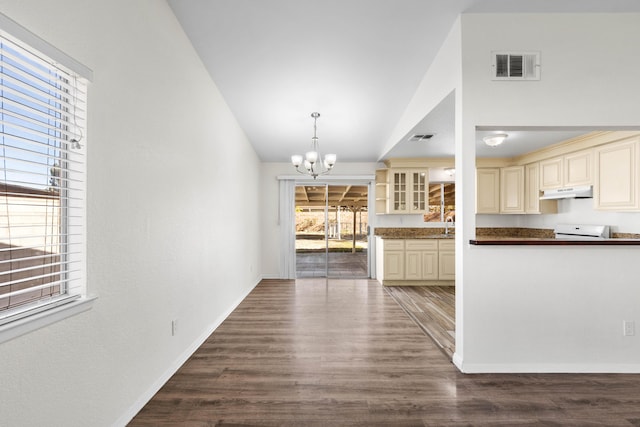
x: 332, y: 231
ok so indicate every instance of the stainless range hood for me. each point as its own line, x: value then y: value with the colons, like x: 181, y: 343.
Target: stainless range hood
x: 577, y: 192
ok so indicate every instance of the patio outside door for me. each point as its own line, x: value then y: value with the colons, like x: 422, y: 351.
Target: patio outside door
x: 331, y: 231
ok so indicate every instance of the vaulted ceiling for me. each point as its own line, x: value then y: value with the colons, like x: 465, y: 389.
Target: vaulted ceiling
x: 356, y: 62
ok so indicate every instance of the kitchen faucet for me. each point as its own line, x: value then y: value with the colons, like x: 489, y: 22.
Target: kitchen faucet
x: 446, y: 225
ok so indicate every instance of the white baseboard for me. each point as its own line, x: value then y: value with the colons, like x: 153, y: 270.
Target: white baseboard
x: 457, y: 361
x: 550, y: 368
x: 173, y: 368
x: 545, y: 368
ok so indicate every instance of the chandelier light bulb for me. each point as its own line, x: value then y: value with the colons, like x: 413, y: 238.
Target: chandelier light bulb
x: 312, y: 156
x: 330, y: 160
x: 296, y: 159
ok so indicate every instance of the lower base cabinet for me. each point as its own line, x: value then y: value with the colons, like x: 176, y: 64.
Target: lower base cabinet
x: 394, y: 260
x: 418, y: 262
x: 421, y: 259
x: 446, y: 260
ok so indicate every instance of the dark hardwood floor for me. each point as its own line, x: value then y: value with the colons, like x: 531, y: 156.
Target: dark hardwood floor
x: 433, y: 308
x: 342, y: 352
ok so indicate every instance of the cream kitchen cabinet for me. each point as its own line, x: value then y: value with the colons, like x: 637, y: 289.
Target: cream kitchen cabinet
x: 532, y: 202
x: 617, y: 176
x: 551, y: 173
x: 418, y: 262
x: 578, y: 168
x: 446, y: 260
x: 488, y: 190
x: 394, y: 259
x: 567, y: 171
x: 408, y: 191
x: 512, y: 190
x: 421, y: 259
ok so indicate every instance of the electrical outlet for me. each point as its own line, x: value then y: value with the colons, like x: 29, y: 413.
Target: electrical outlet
x: 629, y: 328
x: 174, y: 327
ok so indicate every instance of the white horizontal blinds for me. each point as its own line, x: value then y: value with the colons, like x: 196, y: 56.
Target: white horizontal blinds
x: 42, y: 119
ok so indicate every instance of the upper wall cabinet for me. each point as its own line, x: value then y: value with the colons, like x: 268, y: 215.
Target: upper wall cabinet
x: 567, y: 171
x: 512, y: 190
x: 408, y: 191
x: 532, y: 202
x: 488, y: 190
x: 617, y: 178
x: 403, y: 186
x: 578, y: 168
x: 551, y: 173
x: 402, y: 191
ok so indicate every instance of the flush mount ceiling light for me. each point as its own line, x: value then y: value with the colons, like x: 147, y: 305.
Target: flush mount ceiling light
x: 495, y: 139
x: 313, y: 164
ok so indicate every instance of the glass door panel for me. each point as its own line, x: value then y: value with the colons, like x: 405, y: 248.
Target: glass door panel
x: 311, y: 231
x: 399, y: 192
x: 348, y: 221
x: 419, y: 191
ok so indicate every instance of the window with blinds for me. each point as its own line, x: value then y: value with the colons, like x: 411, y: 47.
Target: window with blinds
x: 42, y: 181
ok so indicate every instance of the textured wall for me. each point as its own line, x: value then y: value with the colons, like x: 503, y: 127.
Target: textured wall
x: 172, y: 228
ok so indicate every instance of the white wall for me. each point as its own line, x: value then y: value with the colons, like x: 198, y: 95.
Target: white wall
x: 172, y: 217
x: 588, y: 77
x: 549, y: 308
x: 440, y: 80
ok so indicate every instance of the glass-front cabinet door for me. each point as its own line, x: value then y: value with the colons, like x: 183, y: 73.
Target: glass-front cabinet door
x: 409, y: 191
x: 399, y: 192
x: 419, y: 196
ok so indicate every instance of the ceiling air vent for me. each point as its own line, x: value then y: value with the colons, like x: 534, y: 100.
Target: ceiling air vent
x: 515, y: 65
x: 423, y: 137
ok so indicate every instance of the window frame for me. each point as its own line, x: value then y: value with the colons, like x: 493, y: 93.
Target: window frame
x: 35, y: 316
x: 442, y: 205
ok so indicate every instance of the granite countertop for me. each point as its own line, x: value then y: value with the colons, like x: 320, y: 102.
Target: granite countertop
x: 439, y: 233
x: 413, y: 233
x: 539, y: 236
x: 496, y: 236
x: 533, y: 241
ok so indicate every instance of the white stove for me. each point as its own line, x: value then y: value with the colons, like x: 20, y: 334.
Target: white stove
x: 581, y: 232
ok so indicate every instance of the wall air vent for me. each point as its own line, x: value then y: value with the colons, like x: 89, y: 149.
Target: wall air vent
x: 515, y: 65
x: 422, y: 137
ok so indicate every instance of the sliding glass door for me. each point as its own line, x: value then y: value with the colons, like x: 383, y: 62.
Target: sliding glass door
x: 332, y: 231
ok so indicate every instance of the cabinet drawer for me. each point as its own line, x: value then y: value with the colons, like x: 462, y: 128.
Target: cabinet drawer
x: 421, y: 244
x: 446, y: 245
x: 394, y: 245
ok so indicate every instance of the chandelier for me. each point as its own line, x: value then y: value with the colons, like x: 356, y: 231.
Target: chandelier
x: 313, y: 164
